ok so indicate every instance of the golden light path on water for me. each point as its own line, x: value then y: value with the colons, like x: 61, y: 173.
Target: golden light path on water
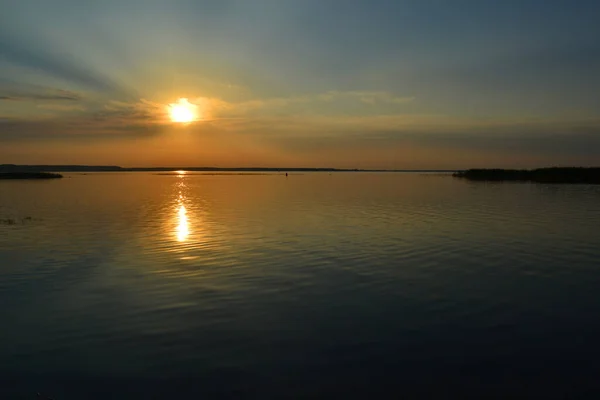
x: 183, y: 228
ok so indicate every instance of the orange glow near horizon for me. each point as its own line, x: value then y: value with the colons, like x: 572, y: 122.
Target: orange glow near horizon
x: 183, y: 111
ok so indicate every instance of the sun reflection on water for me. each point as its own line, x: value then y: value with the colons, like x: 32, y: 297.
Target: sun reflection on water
x: 187, y: 226
x: 183, y: 229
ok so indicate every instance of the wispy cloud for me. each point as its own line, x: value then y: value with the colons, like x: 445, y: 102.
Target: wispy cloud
x: 263, y: 125
x: 43, y: 95
x: 367, y: 97
x: 61, y: 107
x: 332, y: 101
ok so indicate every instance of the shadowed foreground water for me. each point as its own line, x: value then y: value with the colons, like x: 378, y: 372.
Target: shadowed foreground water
x: 130, y: 286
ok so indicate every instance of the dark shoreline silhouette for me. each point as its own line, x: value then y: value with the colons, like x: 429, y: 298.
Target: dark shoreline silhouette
x: 29, y: 175
x: 540, y: 175
x: 115, y: 168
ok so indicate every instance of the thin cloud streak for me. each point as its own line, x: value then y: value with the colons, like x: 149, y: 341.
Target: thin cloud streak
x: 52, y: 95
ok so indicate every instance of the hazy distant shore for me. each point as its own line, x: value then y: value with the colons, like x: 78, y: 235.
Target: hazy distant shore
x: 115, y: 168
x: 29, y: 175
x: 540, y: 175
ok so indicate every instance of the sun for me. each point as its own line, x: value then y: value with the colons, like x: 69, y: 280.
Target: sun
x: 183, y: 111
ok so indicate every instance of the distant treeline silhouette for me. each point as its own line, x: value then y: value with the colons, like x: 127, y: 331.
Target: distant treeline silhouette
x: 58, y: 168
x: 540, y: 175
x: 115, y: 168
x: 29, y: 175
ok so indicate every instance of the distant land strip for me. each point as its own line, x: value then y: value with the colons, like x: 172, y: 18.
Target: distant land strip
x: 29, y: 175
x: 114, y: 168
x: 540, y: 175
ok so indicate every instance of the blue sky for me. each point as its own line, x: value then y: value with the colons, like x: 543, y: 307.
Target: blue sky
x: 354, y: 83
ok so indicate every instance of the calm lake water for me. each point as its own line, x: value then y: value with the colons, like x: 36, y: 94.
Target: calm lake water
x: 142, y: 285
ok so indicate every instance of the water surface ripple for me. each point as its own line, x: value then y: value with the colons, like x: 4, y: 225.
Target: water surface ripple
x: 315, y: 285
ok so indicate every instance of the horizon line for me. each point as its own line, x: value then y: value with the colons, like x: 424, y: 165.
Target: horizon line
x: 116, y: 168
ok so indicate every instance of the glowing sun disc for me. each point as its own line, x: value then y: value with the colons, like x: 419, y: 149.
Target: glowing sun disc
x: 183, y: 111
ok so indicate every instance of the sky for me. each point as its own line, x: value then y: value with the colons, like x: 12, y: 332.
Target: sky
x: 398, y: 84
